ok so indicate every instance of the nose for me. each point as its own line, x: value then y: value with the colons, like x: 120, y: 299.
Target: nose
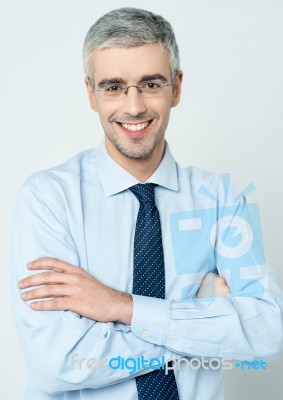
x: 133, y: 102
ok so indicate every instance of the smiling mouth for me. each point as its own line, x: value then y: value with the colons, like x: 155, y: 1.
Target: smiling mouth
x: 135, y: 127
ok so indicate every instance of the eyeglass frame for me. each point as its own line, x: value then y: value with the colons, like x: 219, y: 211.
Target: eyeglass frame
x: 125, y: 90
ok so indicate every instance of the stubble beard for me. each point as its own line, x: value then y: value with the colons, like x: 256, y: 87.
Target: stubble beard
x: 136, y: 150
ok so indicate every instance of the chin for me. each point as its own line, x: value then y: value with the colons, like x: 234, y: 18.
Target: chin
x: 136, y: 155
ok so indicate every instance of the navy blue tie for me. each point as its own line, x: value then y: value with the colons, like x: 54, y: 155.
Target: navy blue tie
x: 149, y: 280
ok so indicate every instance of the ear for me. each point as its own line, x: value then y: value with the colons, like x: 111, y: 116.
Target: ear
x: 90, y: 94
x: 177, y: 89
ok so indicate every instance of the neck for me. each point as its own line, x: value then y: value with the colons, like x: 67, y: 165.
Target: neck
x: 141, y: 169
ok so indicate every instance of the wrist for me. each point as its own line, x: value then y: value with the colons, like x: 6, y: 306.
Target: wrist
x: 123, y: 310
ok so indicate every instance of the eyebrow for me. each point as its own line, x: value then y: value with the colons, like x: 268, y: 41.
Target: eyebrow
x: 153, y: 77
x: 144, y: 78
x: 110, y: 81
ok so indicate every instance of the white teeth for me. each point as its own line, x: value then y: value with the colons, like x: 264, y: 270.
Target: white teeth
x: 135, y: 127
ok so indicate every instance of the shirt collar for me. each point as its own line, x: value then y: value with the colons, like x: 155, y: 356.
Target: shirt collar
x: 115, y: 179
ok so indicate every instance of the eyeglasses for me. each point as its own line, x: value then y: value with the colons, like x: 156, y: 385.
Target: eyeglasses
x: 116, y: 91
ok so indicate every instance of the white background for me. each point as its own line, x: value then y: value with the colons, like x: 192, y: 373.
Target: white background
x: 229, y: 120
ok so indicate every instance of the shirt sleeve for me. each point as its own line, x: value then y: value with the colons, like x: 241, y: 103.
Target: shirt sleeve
x: 245, y: 325
x: 57, y: 345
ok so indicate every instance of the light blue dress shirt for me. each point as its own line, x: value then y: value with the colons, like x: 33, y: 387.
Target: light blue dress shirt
x: 81, y: 212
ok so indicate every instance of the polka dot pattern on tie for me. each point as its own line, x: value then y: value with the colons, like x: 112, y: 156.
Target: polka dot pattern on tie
x: 149, y: 277
x: 149, y: 280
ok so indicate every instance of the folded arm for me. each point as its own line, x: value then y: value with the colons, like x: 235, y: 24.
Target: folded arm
x: 230, y: 326
x: 51, y: 339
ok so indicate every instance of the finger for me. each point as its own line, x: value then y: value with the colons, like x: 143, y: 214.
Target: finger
x: 60, y: 304
x: 213, y: 285
x: 51, y: 263
x: 47, y: 291
x: 45, y: 278
x: 225, y: 289
x: 221, y: 287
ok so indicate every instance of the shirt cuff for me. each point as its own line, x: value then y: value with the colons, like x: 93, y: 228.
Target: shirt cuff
x: 150, y: 318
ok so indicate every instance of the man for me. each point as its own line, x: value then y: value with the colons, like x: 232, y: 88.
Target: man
x: 115, y: 284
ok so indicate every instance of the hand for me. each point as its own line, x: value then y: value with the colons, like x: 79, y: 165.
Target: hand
x: 67, y: 287
x: 213, y: 285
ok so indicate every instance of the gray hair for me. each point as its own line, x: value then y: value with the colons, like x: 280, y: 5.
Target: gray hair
x: 130, y: 27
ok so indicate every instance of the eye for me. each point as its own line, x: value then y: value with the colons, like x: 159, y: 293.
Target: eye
x: 112, y: 88
x: 152, y: 85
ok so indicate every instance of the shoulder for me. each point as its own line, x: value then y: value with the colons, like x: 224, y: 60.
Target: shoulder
x: 212, y: 186
x: 62, y: 177
x: 199, y: 175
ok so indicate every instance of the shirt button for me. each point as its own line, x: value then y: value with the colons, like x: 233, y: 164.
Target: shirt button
x: 145, y: 333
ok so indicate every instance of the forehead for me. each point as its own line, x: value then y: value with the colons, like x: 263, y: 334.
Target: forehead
x: 130, y: 63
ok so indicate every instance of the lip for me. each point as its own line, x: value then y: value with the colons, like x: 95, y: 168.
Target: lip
x: 134, y: 134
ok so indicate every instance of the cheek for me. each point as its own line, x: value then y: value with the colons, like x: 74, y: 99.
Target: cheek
x: 162, y: 107
x: 165, y: 111
x: 105, y: 111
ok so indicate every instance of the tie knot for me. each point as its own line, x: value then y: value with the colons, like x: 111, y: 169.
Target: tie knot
x: 144, y: 192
